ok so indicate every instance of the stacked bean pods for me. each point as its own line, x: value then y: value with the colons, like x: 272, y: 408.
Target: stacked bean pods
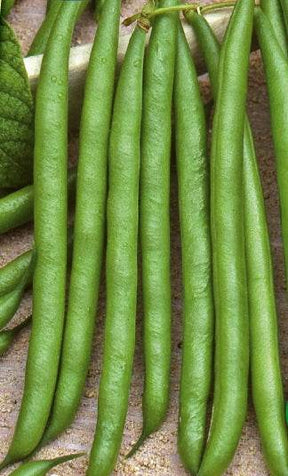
x: 121, y: 190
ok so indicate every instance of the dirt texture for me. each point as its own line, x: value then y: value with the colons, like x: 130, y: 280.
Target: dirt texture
x: 158, y: 456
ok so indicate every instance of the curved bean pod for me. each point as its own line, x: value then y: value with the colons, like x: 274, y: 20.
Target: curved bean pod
x: 41, y: 467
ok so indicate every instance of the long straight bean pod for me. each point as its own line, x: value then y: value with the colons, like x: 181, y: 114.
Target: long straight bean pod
x: 89, y: 221
x: 264, y: 349
x: 228, y: 245
x: 154, y: 217
x: 50, y: 189
x: 276, y: 71
x: 194, y: 208
x: 121, y: 258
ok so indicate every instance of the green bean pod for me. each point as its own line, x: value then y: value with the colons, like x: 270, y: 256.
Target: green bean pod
x: 273, y: 11
x: 264, y: 348
x: 267, y: 388
x: 276, y: 72
x: 89, y: 222
x: 16, y: 208
x: 12, y: 272
x: 7, y: 336
x: 50, y: 188
x: 194, y: 208
x: 228, y: 245
x: 41, y: 467
x: 284, y: 4
x: 121, y: 259
x: 50, y: 4
x: 41, y: 38
x: 99, y: 4
x: 10, y: 302
x: 154, y: 217
x: 6, y: 7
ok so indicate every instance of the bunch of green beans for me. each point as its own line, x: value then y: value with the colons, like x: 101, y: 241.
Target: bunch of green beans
x: 266, y: 374
x: 229, y: 322
x: 50, y: 216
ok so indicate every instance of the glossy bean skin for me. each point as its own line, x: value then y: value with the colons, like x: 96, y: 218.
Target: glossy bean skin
x: 121, y: 259
x: 17, y: 208
x: 50, y: 216
x: 41, y: 467
x: 89, y: 222
x: 7, y: 336
x: 154, y: 217
x: 194, y: 209
x: 276, y: 71
x: 264, y: 348
x: 228, y: 246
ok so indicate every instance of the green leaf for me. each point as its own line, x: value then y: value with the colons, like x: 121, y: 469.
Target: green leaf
x: 16, y: 113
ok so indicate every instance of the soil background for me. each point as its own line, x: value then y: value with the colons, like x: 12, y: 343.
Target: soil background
x: 158, y: 456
